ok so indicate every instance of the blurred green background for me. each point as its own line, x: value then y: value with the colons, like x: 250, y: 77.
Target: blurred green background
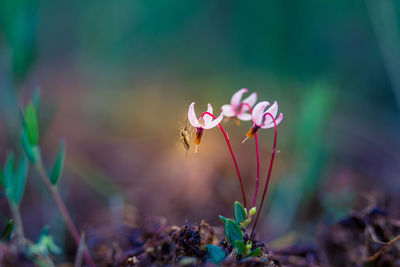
x: 116, y: 77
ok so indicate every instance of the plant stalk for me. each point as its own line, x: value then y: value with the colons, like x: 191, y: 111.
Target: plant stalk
x: 258, y: 158
x: 19, y: 229
x: 63, y: 209
x: 233, y: 156
x: 271, y: 163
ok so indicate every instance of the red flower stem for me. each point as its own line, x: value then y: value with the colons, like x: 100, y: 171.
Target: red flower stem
x: 258, y: 170
x: 64, y: 211
x: 271, y: 163
x: 258, y: 158
x: 233, y: 156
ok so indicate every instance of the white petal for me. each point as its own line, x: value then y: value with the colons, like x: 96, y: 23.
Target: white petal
x: 192, y: 116
x: 271, y: 125
x: 208, y: 118
x: 227, y: 111
x: 251, y: 100
x: 273, y: 110
x: 214, y: 122
x: 258, y: 112
x: 235, y: 100
x: 244, y: 116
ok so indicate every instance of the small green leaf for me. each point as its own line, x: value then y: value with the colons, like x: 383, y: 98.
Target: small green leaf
x: 222, y: 218
x: 240, y: 212
x: 255, y: 252
x: 240, y: 247
x: 233, y: 231
x: 6, y: 234
x: 20, y: 180
x: 215, y: 254
x: 31, y: 124
x: 59, y: 164
x: 30, y: 151
x: 9, y: 175
x: 45, y: 244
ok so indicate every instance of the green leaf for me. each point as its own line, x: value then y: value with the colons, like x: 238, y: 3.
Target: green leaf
x: 59, y: 164
x: 255, y: 252
x: 45, y: 244
x: 240, y: 247
x: 240, y: 212
x: 31, y: 124
x: 9, y: 175
x: 233, y: 231
x: 28, y: 148
x: 215, y: 254
x: 222, y: 218
x: 6, y: 234
x: 20, y: 180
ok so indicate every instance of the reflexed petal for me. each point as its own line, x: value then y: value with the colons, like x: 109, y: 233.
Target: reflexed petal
x: 208, y: 118
x: 214, y: 122
x: 273, y: 110
x: 192, y: 116
x: 258, y: 112
x: 251, y: 100
x: 279, y: 119
x: 235, y: 100
x: 271, y: 124
x: 227, y: 111
x: 244, y: 116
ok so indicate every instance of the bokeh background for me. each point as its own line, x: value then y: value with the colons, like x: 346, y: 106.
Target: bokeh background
x: 116, y: 79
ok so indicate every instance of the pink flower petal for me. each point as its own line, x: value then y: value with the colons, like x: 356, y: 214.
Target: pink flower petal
x: 244, y: 116
x: 251, y: 100
x: 258, y: 112
x: 235, y: 100
x: 207, y: 118
x: 273, y: 110
x: 192, y: 116
x: 271, y: 124
x: 228, y: 111
x: 214, y: 122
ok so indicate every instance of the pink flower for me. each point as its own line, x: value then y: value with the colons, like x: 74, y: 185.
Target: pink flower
x: 238, y: 108
x: 205, y: 122
x: 261, y: 119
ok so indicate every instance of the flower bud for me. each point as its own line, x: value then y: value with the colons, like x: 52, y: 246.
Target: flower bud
x: 252, y: 211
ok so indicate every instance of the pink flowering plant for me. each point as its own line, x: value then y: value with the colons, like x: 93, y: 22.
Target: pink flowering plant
x: 263, y: 116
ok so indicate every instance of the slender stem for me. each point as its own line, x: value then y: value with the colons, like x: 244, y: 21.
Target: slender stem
x: 258, y: 158
x: 63, y: 209
x: 269, y: 174
x: 233, y: 156
x: 258, y: 169
x: 19, y: 229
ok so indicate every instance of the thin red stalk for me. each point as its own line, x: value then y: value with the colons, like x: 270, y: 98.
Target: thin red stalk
x: 233, y: 156
x: 258, y: 158
x: 258, y: 170
x: 64, y: 211
x: 268, y: 176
